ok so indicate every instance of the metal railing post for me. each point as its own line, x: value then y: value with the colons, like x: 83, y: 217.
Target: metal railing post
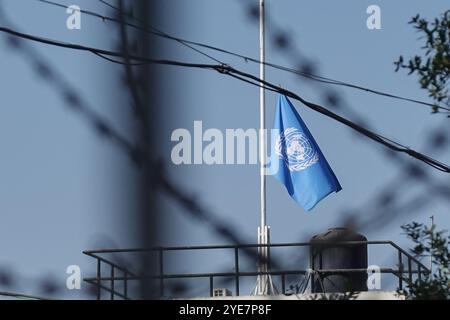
x: 125, y: 285
x: 211, y: 286
x: 400, y: 270
x: 419, y: 272
x: 312, y: 265
x: 99, y: 275
x: 161, y: 272
x: 112, y: 282
x: 236, y: 267
x: 409, y: 270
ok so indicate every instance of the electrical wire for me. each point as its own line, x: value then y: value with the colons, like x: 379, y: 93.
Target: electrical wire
x: 119, y: 62
x: 248, y: 78
x: 190, y: 44
x: 150, y: 30
x: 101, y: 52
x: 21, y: 296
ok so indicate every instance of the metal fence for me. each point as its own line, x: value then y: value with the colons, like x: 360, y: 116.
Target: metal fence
x: 407, y: 267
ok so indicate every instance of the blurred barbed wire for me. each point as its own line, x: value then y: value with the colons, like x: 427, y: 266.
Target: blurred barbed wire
x: 138, y: 154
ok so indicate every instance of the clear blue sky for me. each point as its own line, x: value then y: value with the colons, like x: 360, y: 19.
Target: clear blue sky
x: 60, y: 191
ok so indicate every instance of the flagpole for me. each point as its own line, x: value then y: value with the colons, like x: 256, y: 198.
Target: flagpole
x: 262, y: 112
x: 264, y: 285
x: 261, y: 282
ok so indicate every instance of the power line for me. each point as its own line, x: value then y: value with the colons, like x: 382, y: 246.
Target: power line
x: 102, y: 53
x: 150, y: 30
x: 374, y: 136
x: 21, y: 296
x: 119, y: 62
x: 190, y: 44
x: 109, y: 5
x: 251, y: 79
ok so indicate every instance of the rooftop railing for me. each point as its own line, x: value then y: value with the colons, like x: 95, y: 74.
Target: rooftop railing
x: 406, y: 270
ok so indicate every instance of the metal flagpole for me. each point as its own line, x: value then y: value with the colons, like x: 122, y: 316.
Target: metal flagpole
x: 264, y: 284
x: 262, y: 112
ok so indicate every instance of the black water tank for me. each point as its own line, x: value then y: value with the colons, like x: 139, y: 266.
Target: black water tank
x: 326, y: 254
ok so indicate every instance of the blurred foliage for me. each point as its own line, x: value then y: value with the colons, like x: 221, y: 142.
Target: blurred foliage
x: 428, y: 241
x: 433, y: 68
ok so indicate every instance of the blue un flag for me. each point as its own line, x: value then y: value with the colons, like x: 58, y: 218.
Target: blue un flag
x: 300, y: 164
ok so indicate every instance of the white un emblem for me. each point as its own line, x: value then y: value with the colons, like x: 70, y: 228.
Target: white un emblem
x: 295, y: 149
